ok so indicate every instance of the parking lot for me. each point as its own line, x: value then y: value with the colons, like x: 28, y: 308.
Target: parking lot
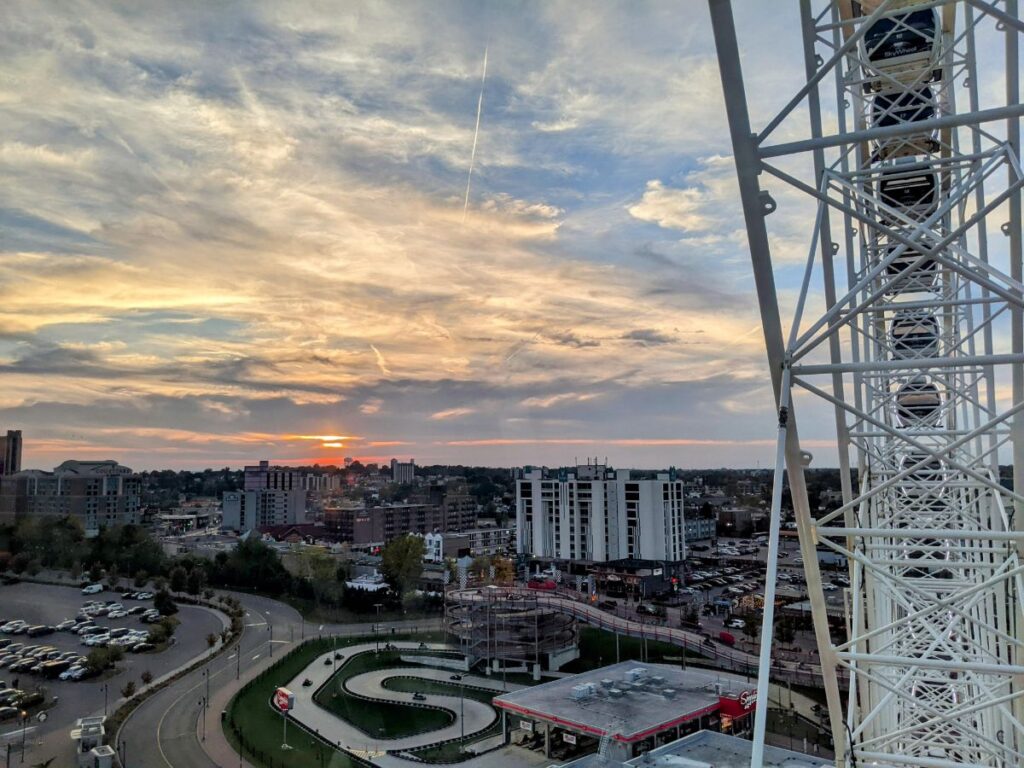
x: 725, y: 580
x: 49, y: 605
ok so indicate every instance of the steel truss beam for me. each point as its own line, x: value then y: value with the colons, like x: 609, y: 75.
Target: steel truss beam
x: 927, y: 333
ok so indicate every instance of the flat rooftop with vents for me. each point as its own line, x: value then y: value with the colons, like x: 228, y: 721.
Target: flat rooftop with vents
x: 633, y: 706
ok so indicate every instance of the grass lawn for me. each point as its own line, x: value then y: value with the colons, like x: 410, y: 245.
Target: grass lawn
x: 451, y: 752
x: 252, y: 724
x: 378, y: 719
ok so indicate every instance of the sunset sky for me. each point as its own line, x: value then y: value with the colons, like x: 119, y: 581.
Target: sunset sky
x: 232, y: 231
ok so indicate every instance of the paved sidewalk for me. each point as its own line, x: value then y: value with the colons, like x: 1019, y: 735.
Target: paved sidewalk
x: 216, y: 744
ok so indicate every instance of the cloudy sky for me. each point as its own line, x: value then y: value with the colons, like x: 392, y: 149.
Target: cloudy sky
x: 232, y: 231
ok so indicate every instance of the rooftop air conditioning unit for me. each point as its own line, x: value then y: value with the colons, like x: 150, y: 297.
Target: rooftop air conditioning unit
x: 635, y: 673
x: 669, y: 693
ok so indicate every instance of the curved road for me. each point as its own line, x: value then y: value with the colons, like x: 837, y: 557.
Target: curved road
x: 162, y: 731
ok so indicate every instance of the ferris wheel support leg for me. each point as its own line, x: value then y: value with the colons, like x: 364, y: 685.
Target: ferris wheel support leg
x: 755, y: 207
x: 1016, y: 310
x: 764, y: 664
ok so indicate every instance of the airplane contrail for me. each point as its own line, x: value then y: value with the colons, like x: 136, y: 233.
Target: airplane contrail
x: 476, y: 133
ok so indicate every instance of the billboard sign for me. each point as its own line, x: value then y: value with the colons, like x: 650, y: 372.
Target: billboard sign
x: 284, y: 700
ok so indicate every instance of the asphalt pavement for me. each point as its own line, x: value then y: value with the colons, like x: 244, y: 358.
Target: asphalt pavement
x: 47, y: 604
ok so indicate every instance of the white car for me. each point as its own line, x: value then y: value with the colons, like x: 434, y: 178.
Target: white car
x: 736, y: 623
x: 12, y: 626
x: 829, y: 587
x: 117, y: 614
x: 92, y: 589
x: 74, y: 673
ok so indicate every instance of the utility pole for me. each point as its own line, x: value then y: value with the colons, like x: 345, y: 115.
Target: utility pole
x: 270, y: 630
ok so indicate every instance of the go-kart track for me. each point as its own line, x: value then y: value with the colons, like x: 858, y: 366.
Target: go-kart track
x: 311, y: 715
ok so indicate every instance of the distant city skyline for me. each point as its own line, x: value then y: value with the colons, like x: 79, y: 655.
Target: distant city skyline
x: 236, y: 231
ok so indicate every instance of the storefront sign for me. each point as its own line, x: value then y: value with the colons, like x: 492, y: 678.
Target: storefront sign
x: 569, y: 738
x: 284, y: 700
x: 526, y: 725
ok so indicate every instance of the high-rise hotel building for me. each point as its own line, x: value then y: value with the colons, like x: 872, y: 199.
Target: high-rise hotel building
x: 593, y: 512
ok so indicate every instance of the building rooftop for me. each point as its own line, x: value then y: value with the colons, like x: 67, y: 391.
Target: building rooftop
x: 623, y: 702
x: 709, y: 749
x: 719, y: 750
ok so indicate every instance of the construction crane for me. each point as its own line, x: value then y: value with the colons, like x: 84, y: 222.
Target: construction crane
x: 909, y: 325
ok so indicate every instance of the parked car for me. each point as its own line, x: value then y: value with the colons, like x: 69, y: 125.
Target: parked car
x: 607, y: 605
x: 74, y: 673
x: 650, y: 610
x: 8, y: 713
x: 92, y: 589
x: 736, y: 623
x: 727, y: 638
x: 30, y: 699
x: 142, y: 647
x: 65, y: 625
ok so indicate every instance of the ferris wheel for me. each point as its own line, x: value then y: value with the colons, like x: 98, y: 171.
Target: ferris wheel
x: 909, y: 327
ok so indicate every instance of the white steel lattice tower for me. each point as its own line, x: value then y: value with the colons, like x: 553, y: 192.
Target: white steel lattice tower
x: 910, y: 325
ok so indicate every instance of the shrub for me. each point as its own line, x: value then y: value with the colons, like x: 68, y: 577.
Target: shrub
x: 163, y: 603
x: 146, y: 676
x: 129, y: 689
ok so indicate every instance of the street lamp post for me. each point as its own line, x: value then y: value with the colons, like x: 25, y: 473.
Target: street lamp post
x: 270, y: 631
x: 24, y: 723
x: 105, y: 699
x: 202, y: 710
x: 376, y: 628
x: 206, y: 700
